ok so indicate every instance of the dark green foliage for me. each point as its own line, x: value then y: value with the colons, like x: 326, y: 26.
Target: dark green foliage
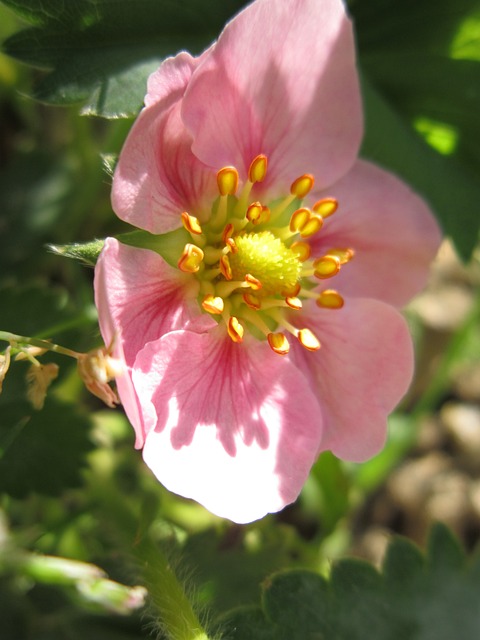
x: 418, y: 597
x: 100, y: 52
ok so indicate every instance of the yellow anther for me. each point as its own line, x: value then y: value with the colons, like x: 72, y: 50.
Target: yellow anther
x: 278, y: 343
x: 292, y: 292
x: 228, y: 232
x: 235, y: 329
x: 305, y: 222
x: 225, y: 267
x: 232, y: 245
x: 191, y: 258
x: 314, y: 225
x: 302, y: 186
x: 265, y: 215
x: 254, y: 212
x: 302, y: 249
x: 293, y: 302
x: 308, y: 340
x: 252, y: 301
x: 213, y: 304
x: 258, y: 169
x: 325, y: 207
x: 344, y: 255
x: 191, y: 224
x: 326, y: 267
x: 299, y: 219
x: 330, y: 299
x: 227, y: 181
x: 254, y: 283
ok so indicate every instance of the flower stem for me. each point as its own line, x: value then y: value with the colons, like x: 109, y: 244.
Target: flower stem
x: 175, y: 611
x: 14, y: 339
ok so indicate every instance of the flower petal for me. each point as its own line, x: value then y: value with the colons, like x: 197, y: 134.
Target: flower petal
x: 391, y: 230
x: 157, y: 176
x: 139, y: 297
x: 361, y: 372
x: 281, y: 80
x: 237, y: 427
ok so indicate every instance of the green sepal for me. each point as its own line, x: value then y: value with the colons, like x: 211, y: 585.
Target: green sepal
x: 86, y: 252
x: 168, y: 245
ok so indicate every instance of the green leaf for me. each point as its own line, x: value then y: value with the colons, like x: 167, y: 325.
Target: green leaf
x: 100, y: 52
x: 408, y: 24
x: 452, y: 191
x: 246, y: 554
x: 41, y: 451
x: 34, y: 192
x: 437, y: 88
x: 432, y: 598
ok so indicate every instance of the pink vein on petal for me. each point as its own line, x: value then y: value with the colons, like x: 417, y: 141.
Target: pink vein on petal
x: 237, y: 429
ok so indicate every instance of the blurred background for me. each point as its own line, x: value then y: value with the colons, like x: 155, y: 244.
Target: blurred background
x: 71, y: 484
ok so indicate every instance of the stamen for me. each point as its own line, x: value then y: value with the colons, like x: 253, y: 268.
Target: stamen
x: 213, y: 304
x: 294, y: 303
x: 252, y: 301
x: 325, y: 207
x: 330, y: 299
x: 224, y: 289
x: 235, y: 329
x: 302, y: 185
x: 306, y: 337
x: 326, y: 267
x: 254, y: 212
x: 191, y: 259
x: 299, y: 219
x: 227, y: 181
x: 253, y: 282
x: 314, y: 224
x: 232, y: 245
x: 278, y: 342
x: 258, y: 168
x: 191, y: 224
x: 257, y: 321
x: 292, y: 292
x: 210, y: 274
x: 308, y: 340
x: 302, y: 249
x: 228, y: 232
x: 305, y: 222
x: 344, y: 255
x: 211, y: 255
x: 225, y: 267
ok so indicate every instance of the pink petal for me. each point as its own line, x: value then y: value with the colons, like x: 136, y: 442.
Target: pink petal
x: 281, y: 80
x: 157, y: 176
x: 139, y: 297
x: 361, y: 372
x: 391, y: 229
x: 237, y: 426
x: 168, y: 82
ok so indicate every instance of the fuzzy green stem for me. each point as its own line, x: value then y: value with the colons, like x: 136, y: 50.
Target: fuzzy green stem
x: 176, y: 614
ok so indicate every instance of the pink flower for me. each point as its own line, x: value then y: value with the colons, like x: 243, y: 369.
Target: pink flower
x: 265, y: 343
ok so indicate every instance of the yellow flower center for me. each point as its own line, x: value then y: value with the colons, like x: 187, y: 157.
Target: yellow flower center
x: 268, y: 259
x: 253, y: 263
